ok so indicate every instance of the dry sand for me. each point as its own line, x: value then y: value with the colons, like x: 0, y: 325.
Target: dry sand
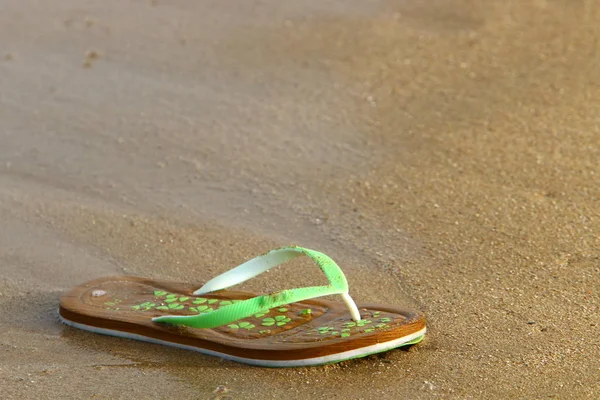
x: 445, y: 154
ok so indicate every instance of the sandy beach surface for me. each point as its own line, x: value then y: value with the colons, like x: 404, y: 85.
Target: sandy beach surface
x: 446, y: 155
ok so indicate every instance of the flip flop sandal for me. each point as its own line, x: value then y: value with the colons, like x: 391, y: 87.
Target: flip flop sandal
x: 282, y: 329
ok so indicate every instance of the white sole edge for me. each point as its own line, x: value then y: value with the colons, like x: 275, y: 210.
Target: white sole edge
x: 346, y: 355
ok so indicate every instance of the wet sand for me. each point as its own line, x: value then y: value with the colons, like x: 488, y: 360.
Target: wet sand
x: 445, y: 155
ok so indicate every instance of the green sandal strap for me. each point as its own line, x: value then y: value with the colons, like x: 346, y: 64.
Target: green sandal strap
x: 246, y: 308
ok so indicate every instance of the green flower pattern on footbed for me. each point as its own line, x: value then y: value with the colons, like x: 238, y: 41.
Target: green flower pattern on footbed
x: 275, y: 318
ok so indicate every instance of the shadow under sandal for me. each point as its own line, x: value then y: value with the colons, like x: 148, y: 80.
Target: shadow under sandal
x: 283, y: 329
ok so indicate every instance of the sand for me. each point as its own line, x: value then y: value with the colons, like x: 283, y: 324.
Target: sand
x: 446, y: 155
